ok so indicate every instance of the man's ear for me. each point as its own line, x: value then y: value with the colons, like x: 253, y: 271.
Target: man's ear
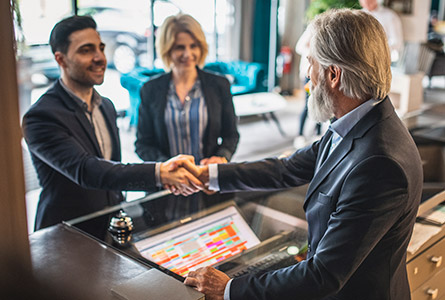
x: 60, y: 58
x: 334, y: 73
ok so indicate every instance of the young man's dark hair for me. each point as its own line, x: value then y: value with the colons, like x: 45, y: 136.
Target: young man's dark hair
x: 59, y: 38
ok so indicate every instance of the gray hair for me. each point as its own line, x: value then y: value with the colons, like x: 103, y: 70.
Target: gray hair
x: 355, y: 42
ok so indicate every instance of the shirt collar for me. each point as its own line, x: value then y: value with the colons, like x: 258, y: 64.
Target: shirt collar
x: 195, y: 86
x: 343, y: 125
x: 96, y: 98
x: 193, y: 93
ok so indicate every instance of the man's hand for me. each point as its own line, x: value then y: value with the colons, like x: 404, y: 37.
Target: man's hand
x: 200, y: 172
x: 203, y: 176
x: 213, y: 160
x: 185, y: 161
x: 178, y: 179
x: 209, y: 281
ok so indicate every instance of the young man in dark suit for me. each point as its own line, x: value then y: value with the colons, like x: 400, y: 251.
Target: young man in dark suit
x: 364, y: 175
x: 73, y: 138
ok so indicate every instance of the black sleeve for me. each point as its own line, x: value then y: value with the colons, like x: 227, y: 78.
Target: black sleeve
x: 56, y: 143
x: 229, y: 130
x: 147, y: 144
x: 271, y: 173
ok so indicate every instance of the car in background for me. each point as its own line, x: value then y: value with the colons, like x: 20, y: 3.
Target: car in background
x: 43, y: 67
x: 124, y: 32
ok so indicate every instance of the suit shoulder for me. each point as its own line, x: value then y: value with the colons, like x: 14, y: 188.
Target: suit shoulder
x: 107, y: 101
x: 156, y: 79
x: 215, y: 77
x: 50, y: 99
x: 215, y: 80
x: 108, y: 105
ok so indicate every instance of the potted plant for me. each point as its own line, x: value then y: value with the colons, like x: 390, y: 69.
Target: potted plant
x: 318, y: 6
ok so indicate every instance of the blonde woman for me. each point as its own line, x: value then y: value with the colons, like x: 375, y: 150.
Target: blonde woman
x: 187, y: 110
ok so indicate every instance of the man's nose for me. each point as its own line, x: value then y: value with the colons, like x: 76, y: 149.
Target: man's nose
x: 99, y: 56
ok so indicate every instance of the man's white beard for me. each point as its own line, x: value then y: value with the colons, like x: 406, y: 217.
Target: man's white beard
x: 320, y: 102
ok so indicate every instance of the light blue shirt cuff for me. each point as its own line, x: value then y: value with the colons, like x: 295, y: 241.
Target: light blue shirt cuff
x: 158, y: 174
x: 213, y: 177
x: 227, y: 290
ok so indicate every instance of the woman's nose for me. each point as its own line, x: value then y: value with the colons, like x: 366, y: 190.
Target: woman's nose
x: 186, y: 51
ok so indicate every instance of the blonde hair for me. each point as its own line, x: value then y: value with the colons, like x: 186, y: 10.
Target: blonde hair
x: 355, y: 42
x: 168, y: 31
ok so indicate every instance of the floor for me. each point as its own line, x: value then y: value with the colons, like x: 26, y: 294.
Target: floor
x: 259, y: 138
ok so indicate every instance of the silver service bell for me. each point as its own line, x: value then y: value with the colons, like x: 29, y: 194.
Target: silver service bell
x: 121, y: 228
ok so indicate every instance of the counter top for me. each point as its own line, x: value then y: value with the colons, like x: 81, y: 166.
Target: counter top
x: 75, y: 266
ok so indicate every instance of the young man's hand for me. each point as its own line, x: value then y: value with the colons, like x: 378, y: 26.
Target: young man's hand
x: 180, y: 175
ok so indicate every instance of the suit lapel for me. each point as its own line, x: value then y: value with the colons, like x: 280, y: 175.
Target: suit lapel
x: 112, y: 129
x: 207, y: 90
x: 160, y: 96
x: 379, y: 112
x: 86, y: 125
x: 329, y: 164
x: 80, y: 115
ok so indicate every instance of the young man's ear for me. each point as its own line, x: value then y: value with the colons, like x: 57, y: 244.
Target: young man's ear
x: 334, y: 73
x: 60, y: 58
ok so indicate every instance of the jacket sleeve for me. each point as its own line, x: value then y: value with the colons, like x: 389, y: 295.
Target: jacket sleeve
x: 229, y: 130
x: 57, y: 144
x: 271, y: 173
x: 147, y: 144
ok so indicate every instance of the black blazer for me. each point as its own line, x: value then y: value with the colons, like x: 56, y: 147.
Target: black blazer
x: 152, y: 137
x: 360, y: 206
x: 75, y: 178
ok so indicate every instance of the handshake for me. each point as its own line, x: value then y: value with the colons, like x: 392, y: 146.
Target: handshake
x: 182, y: 176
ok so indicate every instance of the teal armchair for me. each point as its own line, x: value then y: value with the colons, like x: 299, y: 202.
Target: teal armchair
x: 133, y: 82
x: 244, y: 77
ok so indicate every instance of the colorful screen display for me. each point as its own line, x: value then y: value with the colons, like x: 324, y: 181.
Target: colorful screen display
x: 200, y: 243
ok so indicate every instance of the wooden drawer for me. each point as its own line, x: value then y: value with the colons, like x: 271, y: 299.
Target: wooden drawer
x: 434, y: 288
x: 423, y: 267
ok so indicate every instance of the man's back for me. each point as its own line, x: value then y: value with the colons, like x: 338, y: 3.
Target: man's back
x: 375, y: 191
x: 360, y: 206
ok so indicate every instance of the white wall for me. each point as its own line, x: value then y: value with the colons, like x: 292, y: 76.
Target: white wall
x: 415, y: 25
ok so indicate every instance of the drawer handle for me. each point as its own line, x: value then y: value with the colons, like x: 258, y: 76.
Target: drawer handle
x: 433, y: 293
x: 437, y: 260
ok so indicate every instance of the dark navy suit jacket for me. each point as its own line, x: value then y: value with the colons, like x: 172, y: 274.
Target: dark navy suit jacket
x: 360, y: 206
x: 152, y: 137
x: 75, y: 178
